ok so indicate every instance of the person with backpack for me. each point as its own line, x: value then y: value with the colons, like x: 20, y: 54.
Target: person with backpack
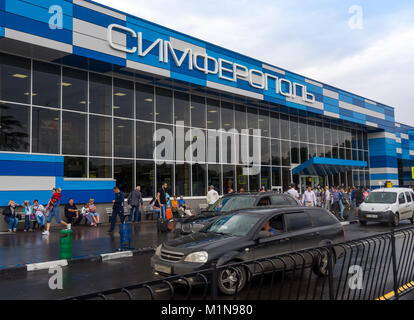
x: 10, y: 216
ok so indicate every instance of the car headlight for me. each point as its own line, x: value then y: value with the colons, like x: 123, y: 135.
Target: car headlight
x: 197, y: 257
x: 158, y: 251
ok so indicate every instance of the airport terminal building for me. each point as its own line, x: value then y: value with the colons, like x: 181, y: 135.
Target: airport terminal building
x: 91, y: 97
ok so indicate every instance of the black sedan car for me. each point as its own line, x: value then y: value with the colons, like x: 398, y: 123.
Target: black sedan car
x: 232, y: 203
x: 245, y: 236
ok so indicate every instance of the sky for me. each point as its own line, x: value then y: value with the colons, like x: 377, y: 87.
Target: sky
x: 364, y: 47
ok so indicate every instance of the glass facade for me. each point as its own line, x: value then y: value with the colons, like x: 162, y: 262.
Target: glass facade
x: 104, y: 126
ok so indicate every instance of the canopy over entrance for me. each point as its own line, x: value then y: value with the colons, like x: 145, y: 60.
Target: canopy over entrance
x: 324, y: 166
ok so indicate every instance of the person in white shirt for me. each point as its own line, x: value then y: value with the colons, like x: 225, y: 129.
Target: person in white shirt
x: 292, y: 191
x: 327, y: 199
x: 309, y: 198
x: 212, y: 196
x: 39, y: 212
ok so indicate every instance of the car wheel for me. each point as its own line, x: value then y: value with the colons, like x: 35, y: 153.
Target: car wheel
x: 412, y: 219
x: 227, y: 280
x: 363, y: 223
x: 321, y: 267
x: 396, y: 220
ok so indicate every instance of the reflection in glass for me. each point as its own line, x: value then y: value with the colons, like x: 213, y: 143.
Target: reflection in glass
x: 74, y: 133
x: 182, y: 108
x: 145, y: 143
x: 75, y: 167
x: 144, y: 102
x: 14, y: 78
x: 183, y: 181
x: 46, y: 84
x: 75, y: 90
x: 123, y: 98
x: 100, y: 136
x: 146, y: 178
x: 100, y: 168
x: 14, y: 128
x: 227, y: 116
x: 124, y: 174
x: 164, y: 107
x: 199, y: 180
x: 214, y: 177
x: 45, y: 131
x: 100, y: 94
x: 240, y: 118
x: 213, y: 114
x: 276, y: 161
x: 198, y: 112
x: 123, y: 138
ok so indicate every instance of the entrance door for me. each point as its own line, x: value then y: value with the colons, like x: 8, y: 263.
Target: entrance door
x: 313, y: 181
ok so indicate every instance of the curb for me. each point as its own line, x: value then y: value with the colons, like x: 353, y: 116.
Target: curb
x: 24, y: 268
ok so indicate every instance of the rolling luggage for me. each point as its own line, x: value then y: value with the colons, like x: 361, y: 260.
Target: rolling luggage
x: 162, y: 225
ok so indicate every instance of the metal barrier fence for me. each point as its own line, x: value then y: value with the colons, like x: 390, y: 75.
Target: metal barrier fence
x: 379, y: 267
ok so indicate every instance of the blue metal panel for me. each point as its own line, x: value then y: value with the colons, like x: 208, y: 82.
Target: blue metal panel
x: 83, y: 196
x: 21, y: 196
x: 95, y: 17
x: 98, y: 56
x: 85, y: 184
x: 30, y: 168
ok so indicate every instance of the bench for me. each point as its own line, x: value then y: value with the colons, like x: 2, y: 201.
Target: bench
x: 148, y: 213
x: 127, y: 213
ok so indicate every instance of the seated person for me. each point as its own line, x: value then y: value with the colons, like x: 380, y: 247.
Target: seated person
x: 72, y: 213
x: 272, y: 232
x: 182, y: 204
x: 174, y: 205
x: 92, y: 212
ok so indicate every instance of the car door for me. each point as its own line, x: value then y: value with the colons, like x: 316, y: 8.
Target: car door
x: 409, y: 205
x: 272, y: 246
x: 402, y: 206
x: 301, y: 230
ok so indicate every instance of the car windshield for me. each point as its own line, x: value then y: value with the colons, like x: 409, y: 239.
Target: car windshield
x: 237, y: 225
x: 228, y: 204
x: 382, y: 197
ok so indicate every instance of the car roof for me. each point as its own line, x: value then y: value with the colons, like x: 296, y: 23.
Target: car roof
x: 256, y: 194
x: 393, y: 190
x: 267, y: 211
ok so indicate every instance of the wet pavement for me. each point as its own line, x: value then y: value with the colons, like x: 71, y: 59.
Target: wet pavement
x: 26, y: 248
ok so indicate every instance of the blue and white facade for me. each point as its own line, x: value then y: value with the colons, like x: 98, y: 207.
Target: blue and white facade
x: 87, y: 36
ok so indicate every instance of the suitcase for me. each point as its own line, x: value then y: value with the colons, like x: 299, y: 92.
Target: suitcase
x: 162, y: 225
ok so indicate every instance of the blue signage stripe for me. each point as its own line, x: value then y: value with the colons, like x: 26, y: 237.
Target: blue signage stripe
x: 95, y: 17
x: 99, y: 56
x: 30, y: 168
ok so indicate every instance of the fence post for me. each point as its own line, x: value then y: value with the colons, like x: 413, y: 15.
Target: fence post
x: 214, y: 283
x: 330, y: 273
x: 394, y: 265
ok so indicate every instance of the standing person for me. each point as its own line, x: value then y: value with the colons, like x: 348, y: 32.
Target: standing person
x: 39, y: 212
x: 359, y: 199
x: 162, y: 200
x: 212, y: 196
x: 352, y: 197
x: 10, y: 216
x: 328, y: 199
x: 28, y: 210
x: 72, y: 213
x: 118, y: 208
x: 318, y: 193
x: 292, y: 191
x: 342, y: 203
x: 309, y: 198
x: 335, y: 201
x: 135, y: 201
x: 54, y: 204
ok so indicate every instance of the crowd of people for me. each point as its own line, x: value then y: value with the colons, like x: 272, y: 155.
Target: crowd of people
x: 337, y: 199
x: 38, y: 216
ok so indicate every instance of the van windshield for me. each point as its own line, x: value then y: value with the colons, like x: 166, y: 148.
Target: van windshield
x: 382, y: 197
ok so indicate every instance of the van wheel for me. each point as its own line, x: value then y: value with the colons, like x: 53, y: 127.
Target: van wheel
x: 321, y: 267
x: 396, y: 220
x: 227, y: 280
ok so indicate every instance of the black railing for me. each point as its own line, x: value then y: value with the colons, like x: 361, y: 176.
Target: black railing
x: 378, y: 267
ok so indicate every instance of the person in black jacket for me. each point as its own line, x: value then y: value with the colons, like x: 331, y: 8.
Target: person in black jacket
x: 118, y: 208
x: 359, y: 199
x: 10, y: 216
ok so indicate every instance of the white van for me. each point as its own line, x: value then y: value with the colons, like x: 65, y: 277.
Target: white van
x: 388, y: 205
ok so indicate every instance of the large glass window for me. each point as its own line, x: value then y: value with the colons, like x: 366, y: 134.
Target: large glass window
x: 164, y: 107
x: 303, y: 130
x: 100, y: 168
x: 265, y: 178
x: 15, y: 79
x: 144, y: 102
x: 252, y: 119
x: 228, y: 178
x: 146, y: 178
x: 74, y: 134
x: 240, y: 118
x: 264, y: 123
x: 123, y: 98
x: 198, y: 112
x: 265, y: 151
x: 213, y: 114
x: 45, y: 131
x: 182, y: 108
x: 276, y: 161
x: 284, y: 127
x: 165, y: 173
x: 145, y: 141
x: 182, y: 180
x: 242, y: 178
x: 319, y: 132
x: 75, y: 167
x: 276, y: 177
x: 74, y: 90
x: 285, y: 153
x: 304, y: 153
x: 214, y: 177
x: 123, y: 138
x: 295, y: 152
x: 46, y: 84
x: 100, y: 94
x: 274, y: 125
x: 124, y: 174
x: 311, y: 131
x: 227, y: 116
x: 100, y: 136
x: 14, y: 128
x: 199, y: 180
x: 294, y: 129
x: 327, y: 134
